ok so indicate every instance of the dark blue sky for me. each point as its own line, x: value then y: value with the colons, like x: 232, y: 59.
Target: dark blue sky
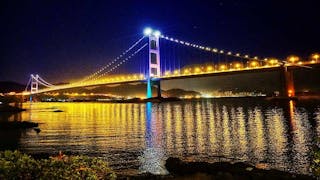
x: 65, y: 40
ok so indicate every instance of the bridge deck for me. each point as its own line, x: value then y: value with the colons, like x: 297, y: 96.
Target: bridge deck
x: 174, y: 76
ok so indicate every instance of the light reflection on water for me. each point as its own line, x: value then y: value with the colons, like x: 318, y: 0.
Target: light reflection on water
x: 142, y: 136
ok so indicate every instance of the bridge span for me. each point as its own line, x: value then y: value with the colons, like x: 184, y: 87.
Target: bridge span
x: 156, y: 67
x: 287, y: 77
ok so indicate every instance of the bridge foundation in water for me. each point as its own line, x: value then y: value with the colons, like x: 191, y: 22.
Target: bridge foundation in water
x: 150, y: 84
x: 288, y: 89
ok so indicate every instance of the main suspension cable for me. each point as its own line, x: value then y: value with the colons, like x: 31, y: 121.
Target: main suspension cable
x: 213, y: 50
x: 112, y: 62
x: 122, y: 62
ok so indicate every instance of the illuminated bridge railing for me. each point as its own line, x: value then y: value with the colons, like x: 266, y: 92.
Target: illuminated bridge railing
x: 232, y: 67
x: 104, y: 81
x: 184, y: 72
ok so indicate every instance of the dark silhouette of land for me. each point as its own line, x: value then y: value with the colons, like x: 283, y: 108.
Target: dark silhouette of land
x: 10, y: 86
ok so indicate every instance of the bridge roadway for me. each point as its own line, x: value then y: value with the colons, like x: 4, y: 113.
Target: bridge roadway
x: 178, y: 76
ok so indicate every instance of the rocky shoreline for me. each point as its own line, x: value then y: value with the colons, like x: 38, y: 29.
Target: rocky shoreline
x: 220, y: 170
x: 179, y: 169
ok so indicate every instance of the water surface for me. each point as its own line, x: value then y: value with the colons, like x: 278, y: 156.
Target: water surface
x: 141, y: 136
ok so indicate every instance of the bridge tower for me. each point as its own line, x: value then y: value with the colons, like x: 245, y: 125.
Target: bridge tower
x: 154, y: 71
x: 34, y: 83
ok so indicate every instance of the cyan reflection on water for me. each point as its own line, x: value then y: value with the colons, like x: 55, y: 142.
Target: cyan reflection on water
x: 142, y: 136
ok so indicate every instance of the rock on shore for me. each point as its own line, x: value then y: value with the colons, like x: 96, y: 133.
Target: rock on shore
x: 224, y: 170
x: 180, y: 170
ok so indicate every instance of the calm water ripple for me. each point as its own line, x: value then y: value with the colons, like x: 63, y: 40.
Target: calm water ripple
x: 142, y: 136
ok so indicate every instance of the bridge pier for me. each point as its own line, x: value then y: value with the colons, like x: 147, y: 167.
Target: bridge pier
x: 288, y: 89
x: 150, y: 84
x: 158, y: 84
x: 149, y: 88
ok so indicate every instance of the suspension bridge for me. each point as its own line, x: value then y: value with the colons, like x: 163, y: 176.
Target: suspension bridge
x: 178, y: 59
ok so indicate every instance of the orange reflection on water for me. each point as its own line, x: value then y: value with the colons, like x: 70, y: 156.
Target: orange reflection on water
x: 177, y: 116
x: 256, y: 134
x: 226, y: 144
x: 168, y: 122
x: 138, y: 135
x: 212, y: 128
x: 300, y: 135
x: 198, y: 129
x: 242, y: 133
x: 189, y: 118
x: 276, y: 130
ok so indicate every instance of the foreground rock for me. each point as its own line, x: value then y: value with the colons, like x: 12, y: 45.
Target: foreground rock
x: 218, y: 171
x: 224, y: 170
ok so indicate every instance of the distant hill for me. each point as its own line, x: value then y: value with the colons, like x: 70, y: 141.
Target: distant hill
x: 133, y: 90
x: 180, y: 93
x: 9, y: 86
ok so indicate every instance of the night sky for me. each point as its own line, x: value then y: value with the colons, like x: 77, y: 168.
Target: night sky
x: 66, y: 40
